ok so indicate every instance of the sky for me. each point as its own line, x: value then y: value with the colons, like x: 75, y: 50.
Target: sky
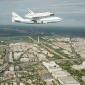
x: 72, y: 11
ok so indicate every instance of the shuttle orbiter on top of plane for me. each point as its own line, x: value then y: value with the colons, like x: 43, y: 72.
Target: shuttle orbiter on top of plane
x: 31, y: 14
x: 36, y: 18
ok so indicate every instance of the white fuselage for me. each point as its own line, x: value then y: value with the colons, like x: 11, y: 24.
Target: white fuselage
x: 27, y: 21
x: 50, y: 20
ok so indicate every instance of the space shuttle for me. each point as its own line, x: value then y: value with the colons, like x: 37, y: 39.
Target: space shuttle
x: 31, y: 14
x: 36, y: 18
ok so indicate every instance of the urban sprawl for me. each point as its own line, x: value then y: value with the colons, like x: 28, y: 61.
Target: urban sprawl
x: 48, y: 60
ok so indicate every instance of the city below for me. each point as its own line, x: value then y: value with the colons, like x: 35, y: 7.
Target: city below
x: 42, y: 60
x: 42, y: 42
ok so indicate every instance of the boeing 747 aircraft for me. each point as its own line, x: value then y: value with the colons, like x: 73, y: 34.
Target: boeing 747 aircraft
x: 36, y: 18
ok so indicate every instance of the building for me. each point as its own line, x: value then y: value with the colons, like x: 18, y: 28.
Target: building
x: 67, y: 80
x: 62, y: 76
x: 79, y: 67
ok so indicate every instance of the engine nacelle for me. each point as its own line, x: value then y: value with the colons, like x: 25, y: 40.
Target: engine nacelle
x: 42, y: 22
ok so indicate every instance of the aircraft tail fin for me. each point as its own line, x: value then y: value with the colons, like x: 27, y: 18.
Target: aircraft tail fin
x: 16, y: 17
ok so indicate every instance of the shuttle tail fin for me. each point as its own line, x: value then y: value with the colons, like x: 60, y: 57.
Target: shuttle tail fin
x: 16, y: 17
x: 30, y: 11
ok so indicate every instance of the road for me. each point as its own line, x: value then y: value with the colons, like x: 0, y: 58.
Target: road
x: 48, y: 48
x: 51, y: 50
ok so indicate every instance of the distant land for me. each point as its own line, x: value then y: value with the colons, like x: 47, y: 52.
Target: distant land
x: 13, y: 30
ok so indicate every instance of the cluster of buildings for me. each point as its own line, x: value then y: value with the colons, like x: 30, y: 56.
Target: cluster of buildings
x: 25, y: 57
x: 28, y: 52
x: 19, y: 47
x: 79, y: 46
x: 66, y: 44
x: 2, y: 49
x: 62, y: 44
x: 79, y: 67
x: 22, y: 56
x: 62, y: 76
